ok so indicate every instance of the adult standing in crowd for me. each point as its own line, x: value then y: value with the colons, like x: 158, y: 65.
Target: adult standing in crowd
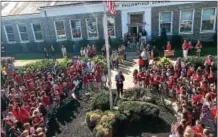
x: 145, y: 56
x: 53, y: 53
x: 119, y: 78
x: 154, y: 52
x: 198, y: 48
x: 185, y: 47
x: 64, y: 51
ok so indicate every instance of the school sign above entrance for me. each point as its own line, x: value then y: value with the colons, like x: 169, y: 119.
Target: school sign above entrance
x: 127, y: 5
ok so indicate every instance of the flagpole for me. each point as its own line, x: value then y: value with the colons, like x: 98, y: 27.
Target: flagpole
x: 107, y: 56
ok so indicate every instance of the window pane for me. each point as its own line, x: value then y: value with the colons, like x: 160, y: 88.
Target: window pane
x: 59, y: 25
x: 165, y: 16
x: 208, y: 14
x: 24, y: 36
x: 111, y: 26
x: 208, y: 19
x: 76, y: 26
x: 11, y: 37
x: 207, y: 25
x: 186, y: 26
x: 92, y: 28
x: 167, y: 27
x: 60, y: 32
x: 186, y: 15
x: 9, y: 29
x: 38, y: 36
x: 22, y: 28
x: 36, y: 27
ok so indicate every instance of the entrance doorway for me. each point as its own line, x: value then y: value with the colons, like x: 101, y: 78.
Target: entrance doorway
x: 135, y: 23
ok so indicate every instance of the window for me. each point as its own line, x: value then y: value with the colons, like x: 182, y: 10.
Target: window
x: 37, y: 32
x: 208, y: 19
x: 23, y: 33
x: 92, y: 29
x: 10, y: 34
x: 111, y: 26
x: 60, y: 30
x: 76, y: 29
x: 165, y: 21
x: 186, y: 21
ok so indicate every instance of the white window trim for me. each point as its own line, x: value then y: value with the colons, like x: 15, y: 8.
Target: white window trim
x: 23, y: 41
x: 95, y: 38
x: 81, y: 37
x: 56, y: 31
x: 34, y: 32
x: 6, y: 34
x: 193, y: 16
x: 214, y: 25
x: 115, y: 34
x: 171, y: 27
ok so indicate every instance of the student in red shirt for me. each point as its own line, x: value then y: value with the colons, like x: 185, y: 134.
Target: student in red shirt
x: 198, y: 48
x: 208, y: 61
x: 140, y: 63
x: 147, y: 79
x: 140, y: 77
x: 169, y: 47
x: 198, y: 129
x: 185, y: 47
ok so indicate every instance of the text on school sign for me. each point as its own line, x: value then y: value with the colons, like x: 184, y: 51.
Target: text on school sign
x: 139, y: 4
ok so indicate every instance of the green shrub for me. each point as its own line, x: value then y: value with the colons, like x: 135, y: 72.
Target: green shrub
x: 199, y: 61
x: 100, y: 101
x: 134, y: 110
x: 164, y: 61
x: 93, y: 118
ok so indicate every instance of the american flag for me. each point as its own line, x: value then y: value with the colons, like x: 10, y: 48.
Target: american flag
x: 111, y: 6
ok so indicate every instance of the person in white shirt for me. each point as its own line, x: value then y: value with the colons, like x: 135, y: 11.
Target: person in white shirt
x: 64, y: 51
x: 146, y: 57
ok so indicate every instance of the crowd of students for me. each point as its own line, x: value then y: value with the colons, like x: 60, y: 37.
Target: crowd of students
x: 28, y: 99
x: 193, y: 88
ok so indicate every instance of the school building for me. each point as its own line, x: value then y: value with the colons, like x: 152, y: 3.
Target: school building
x: 32, y: 22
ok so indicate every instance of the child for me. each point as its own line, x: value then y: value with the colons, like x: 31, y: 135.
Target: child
x: 135, y: 73
x: 141, y: 63
x: 140, y: 77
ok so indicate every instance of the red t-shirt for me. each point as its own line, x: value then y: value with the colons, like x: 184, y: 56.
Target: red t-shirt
x: 196, y: 98
x: 18, y: 79
x: 185, y: 46
x: 27, y: 76
x: 85, y: 79
x: 140, y: 76
x: 98, y: 77
x: 140, y: 62
x: 70, y: 85
x: 198, y: 130
x: 169, y: 46
x: 213, y: 112
x: 46, y: 100
x: 147, y: 80
x: 208, y: 61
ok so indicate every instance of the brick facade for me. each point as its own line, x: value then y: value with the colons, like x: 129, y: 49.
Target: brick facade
x: 48, y: 28
x: 176, y: 15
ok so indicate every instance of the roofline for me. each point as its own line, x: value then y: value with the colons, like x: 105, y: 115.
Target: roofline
x: 20, y: 14
x: 75, y: 4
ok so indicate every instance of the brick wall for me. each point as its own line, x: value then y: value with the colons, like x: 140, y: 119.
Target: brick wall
x: 48, y: 27
x: 176, y: 14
